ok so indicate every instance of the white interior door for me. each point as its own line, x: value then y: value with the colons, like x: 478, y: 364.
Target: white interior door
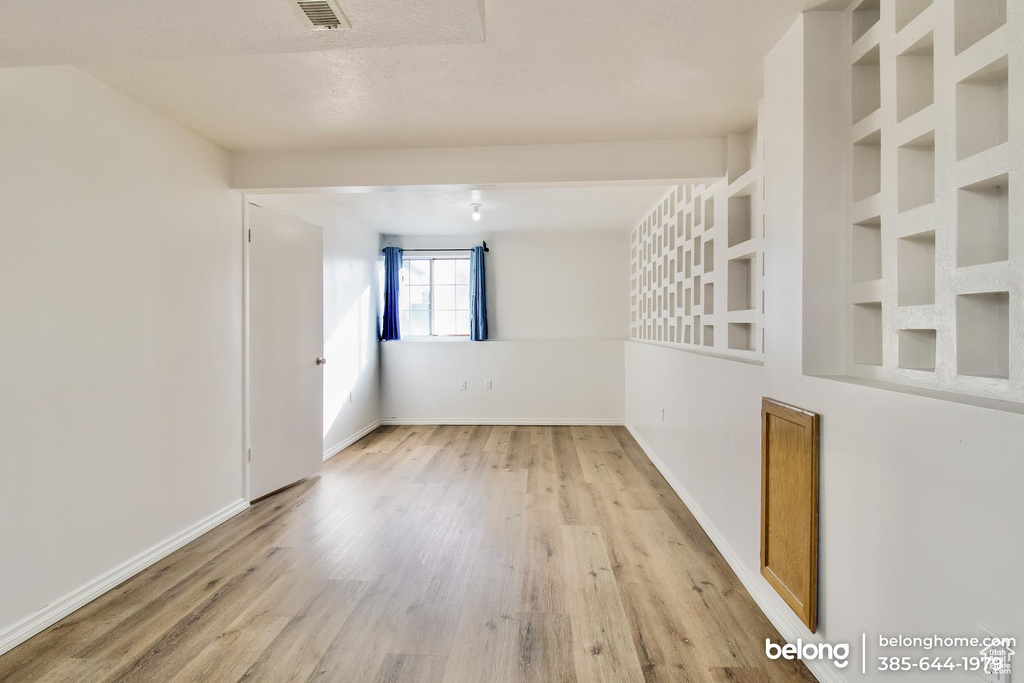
x: 285, y: 344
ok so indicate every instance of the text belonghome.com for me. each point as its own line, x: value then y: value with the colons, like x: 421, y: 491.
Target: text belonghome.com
x: 993, y: 655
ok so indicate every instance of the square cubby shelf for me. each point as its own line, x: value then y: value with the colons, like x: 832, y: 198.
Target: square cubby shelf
x: 867, y: 166
x: 709, y: 298
x: 915, y: 269
x: 915, y: 77
x: 709, y: 256
x: 740, y: 285
x: 982, y: 109
x: 917, y: 350
x: 741, y: 215
x: 915, y: 172
x: 983, y: 222
x: 709, y: 335
x: 741, y: 336
x: 975, y: 19
x: 983, y: 334
x: 867, y: 332
x: 866, y: 84
x: 867, y: 250
x: 908, y: 10
x: 865, y: 15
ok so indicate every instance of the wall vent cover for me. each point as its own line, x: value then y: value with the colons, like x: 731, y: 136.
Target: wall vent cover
x: 323, y: 15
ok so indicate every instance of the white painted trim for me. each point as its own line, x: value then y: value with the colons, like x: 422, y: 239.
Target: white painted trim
x: 785, y: 621
x: 526, y: 421
x: 339, y: 447
x: 57, y: 610
x: 246, y: 370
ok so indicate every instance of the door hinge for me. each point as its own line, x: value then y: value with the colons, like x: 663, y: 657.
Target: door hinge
x: 250, y: 235
x: 250, y: 455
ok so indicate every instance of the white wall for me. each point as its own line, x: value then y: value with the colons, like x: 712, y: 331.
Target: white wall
x: 121, y: 334
x: 697, y: 159
x: 558, y: 311
x: 573, y: 381
x: 352, y: 373
x: 351, y: 300
x: 559, y: 285
x: 920, y: 506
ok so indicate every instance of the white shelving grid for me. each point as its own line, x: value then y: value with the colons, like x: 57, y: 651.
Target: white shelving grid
x: 697, y: 261
x: 935, y: 213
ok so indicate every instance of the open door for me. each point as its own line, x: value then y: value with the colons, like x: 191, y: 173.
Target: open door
x: 285, y: 346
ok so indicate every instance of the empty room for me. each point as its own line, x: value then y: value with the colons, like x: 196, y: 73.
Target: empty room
x: 474, y: 341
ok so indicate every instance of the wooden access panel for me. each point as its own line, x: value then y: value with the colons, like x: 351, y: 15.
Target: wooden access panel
x: 789, y: 506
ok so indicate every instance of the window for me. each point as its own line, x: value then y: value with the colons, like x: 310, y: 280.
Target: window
x: 434, y: 297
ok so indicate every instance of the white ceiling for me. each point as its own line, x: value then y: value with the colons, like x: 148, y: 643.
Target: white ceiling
x: 442, y: 211
x: 549, y: 71
x: 35, y: 33
x: 249, y: 75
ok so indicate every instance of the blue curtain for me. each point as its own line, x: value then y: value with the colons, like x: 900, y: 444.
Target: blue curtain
x: 477, y: 295
x: 392, y: 276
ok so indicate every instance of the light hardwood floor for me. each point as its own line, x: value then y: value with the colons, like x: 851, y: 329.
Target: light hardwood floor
x: 475, y: 554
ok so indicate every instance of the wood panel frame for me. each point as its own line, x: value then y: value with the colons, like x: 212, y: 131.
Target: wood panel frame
x: 803, y: 602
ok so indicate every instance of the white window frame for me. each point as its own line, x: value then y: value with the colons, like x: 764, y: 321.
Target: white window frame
x: 434, y: 256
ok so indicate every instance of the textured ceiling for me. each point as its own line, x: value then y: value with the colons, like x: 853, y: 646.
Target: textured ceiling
x: 417, y: 74
x: 439, y: 211
x: 34, y: 33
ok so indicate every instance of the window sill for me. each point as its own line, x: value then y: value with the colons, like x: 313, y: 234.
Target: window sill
x: 429, y: 340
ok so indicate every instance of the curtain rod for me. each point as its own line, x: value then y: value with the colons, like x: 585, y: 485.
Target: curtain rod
x: 484, y: 243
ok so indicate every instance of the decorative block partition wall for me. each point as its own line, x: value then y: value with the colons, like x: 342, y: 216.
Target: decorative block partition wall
x: 936, y: 217
x: 697, y: 262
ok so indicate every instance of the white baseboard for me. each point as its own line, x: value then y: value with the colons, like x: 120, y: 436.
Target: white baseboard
x: 785, y: 621
x: 21, y: 631
x: 339, y: 447
x: 527, y: 421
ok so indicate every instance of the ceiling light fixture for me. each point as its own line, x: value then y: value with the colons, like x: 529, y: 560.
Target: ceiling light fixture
x: 476, y: 211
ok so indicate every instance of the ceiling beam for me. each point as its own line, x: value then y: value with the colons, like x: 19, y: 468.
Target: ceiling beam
x: 670, y: 161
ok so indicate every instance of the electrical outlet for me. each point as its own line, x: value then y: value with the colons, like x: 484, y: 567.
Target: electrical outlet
x: 462, y: 385
x: 488, y: 386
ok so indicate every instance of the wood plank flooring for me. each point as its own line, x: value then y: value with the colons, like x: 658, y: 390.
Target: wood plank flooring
x: 422, y: 554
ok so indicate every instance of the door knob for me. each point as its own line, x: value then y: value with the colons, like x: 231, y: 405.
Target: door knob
x: 321, y: 361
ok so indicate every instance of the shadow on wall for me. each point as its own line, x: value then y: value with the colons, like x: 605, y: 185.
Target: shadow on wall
x: 348, y: 354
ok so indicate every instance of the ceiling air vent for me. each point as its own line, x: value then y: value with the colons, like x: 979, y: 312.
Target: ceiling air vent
x: 323, y: 15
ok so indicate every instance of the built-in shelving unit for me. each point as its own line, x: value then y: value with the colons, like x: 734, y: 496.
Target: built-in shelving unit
x: 974, y: 20
x: 702, y: 287
x: 867, y: 250
x: 982, y: 109
x: 864, y: 16
x: 908, y: 10
x: 983, y: 221
x: 917, y: 349
x: 867, y: 166
x: 867, y: 85
x: 915, y: 77
x: 935, y: 249
x: 915, y: 168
